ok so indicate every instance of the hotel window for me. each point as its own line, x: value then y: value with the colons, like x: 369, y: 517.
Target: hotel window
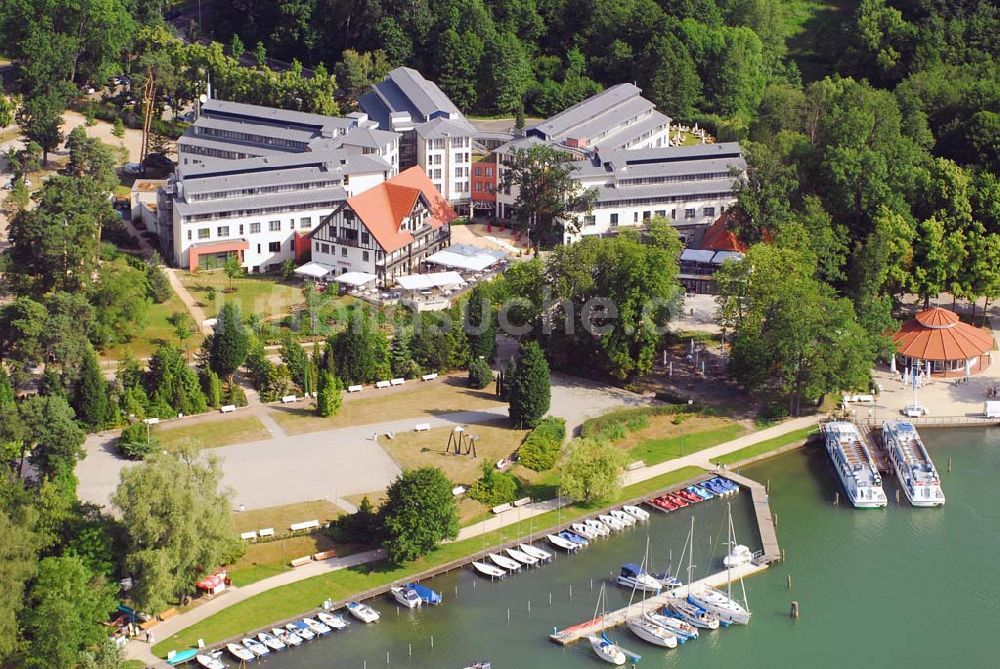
x: 673, y: 214
x: 222, y: 231
x: 662, y: 213
x: 689, y: 213
x: 589, y: 221
x: 326, y: 248
x: 365, y: 238
x: 274, y: 247
x: 614, y: 220
x: 306, y: 222
x: 645, y: 215
x: 364, y: 256
x: 204, y: 233
x: 635, y: 217
x: 458, y: 172
x: 489, y: 171
x: 241, y: 228
x: 343, y: 251
x: 317, y: 247
x: 189, y: 235
x: 254, y: 227
x: 710, y: 211
x: 479, y: 186
x: 274, y: 226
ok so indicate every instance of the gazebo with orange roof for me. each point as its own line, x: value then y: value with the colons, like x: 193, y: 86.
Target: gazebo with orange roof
x: 938, y: 337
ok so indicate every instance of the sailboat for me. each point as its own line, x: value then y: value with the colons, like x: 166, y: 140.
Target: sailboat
x: 602, y: 646
x: 722, y: 603
x: 686, y: 610
x: 641, y: 626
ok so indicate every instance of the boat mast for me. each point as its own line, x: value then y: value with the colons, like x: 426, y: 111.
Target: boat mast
x: 690, y: 554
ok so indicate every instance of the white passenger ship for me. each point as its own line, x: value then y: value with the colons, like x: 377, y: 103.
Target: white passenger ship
x: 854, y: 465
x: 917, y: 475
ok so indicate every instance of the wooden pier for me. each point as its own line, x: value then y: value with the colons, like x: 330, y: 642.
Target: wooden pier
x: 771, y: 553
x: 615, y: 618
x: 765, y: 521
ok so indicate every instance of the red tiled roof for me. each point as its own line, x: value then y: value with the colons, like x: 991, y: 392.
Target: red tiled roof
x: 938, y: 334
x: 718, y: 236
x: 382, y: 208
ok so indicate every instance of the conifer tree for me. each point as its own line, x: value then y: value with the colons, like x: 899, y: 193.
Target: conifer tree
x: 90, y: 392
x: 230, y: 343
x: 528, y: 389
x: 329, y: 396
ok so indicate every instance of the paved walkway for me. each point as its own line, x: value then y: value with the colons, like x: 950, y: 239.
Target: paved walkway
x: 140, y: 650
x: 197, y: 313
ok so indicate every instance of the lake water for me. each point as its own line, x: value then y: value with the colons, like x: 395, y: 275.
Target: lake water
x: 891, y: 587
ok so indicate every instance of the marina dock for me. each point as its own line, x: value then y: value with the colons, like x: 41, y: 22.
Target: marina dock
x: 771, y: 553
x: 765, y: 521
x: 615, y: 618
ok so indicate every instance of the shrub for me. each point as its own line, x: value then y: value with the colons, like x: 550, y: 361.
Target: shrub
x: 494, y: 488
x: 540, y: 449
x: 360, y: 527
x: 480, y: 374
x: 134, y: 443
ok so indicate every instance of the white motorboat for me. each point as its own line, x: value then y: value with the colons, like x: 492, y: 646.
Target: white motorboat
x: 694, y: 615
x: 717, y: 602
x: 505, y: 562
x: 363, y: 612
x: 290, y: 639
x: 914, y: 467
x: 682, y: 630
x: 625, y: 519
x: 852, y: 461
x: 633, y: 576
x: 539, y: 554
x: 407, y: 597
x: 584, y: 531
x: 240, y: 653
x: 209, y: 662
x: 521, y: 556
x: 271, y: 641
x: 615, y: 524
x: 334, y: 622
x: 301, y: 629
x: 597, y: 527
x: 652, y: 633
x: 559, y: 542
x: 316, y: 627
x: 255, y: 647
x: 606, y: 650
x: 738, y: 555
x: 636, y: 512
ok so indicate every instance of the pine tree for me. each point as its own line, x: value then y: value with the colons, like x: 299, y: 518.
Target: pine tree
x: 480, y: 324
x: 400, y: 353
x: 212, y: 387
x: 480, y: 374
x: 528, y: 388
x: 90, y: 392
x: 330, y: 395
x: 295, y: 358
x: 230, y: 343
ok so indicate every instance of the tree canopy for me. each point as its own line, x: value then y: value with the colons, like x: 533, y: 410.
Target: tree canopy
x: 419, y: 512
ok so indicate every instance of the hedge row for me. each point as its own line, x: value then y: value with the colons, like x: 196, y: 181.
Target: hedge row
x: 540, y: 449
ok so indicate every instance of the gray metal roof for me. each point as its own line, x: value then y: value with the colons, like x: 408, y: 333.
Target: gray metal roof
x: 406, y: 90
x: 294, y: 134
x: 586, y: 110
x: 630, y: 133
x: 307, y: 176
x: 671, y: 153
x: 271, y: 115
x: 348, y: 163
x: 267, y: 201
x: 586, y: 169
x: 231, y: 146
x: 445, y: 127
x: 663, y: 190
x: 368, y: 137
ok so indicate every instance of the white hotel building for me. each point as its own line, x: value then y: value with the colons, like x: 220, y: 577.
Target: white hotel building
x: 255, y: 181
x: 435, y: 134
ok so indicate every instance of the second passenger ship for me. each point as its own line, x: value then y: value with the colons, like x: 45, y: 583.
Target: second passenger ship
x: 917, y: 475
x: 854, y: 465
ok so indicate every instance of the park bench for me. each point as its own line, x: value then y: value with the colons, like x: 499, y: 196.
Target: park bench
x: 355, y: 389
x: 288, y: 398
x: 307, y: 525
x: 228, y: 408
x: 397, y: 382
x: 383, y: 384
x: 429, y: 377
x: 422, y: 427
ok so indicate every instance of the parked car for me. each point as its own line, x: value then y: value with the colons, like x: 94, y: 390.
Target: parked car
x: 187, y: 117
x: 132, y: 168
x: 915, y: 410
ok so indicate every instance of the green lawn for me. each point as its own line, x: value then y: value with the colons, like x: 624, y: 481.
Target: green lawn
x: 156, y: 331
x: 658, y: 450
x: 765, y: 446
x: 212, y: 434
x: 264, y: 296
x: 293, y: 599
